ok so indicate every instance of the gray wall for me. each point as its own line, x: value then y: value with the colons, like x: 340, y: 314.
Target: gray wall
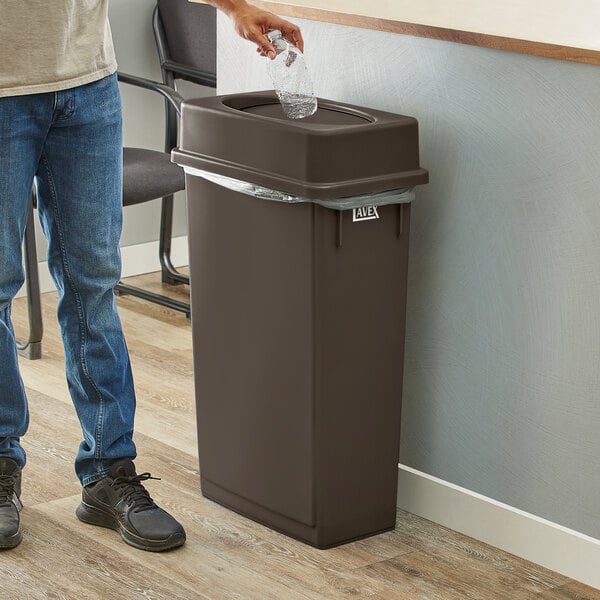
x: 502, y: 379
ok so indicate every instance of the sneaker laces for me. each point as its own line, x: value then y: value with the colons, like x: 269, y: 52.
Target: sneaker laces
x: 130, y: 488
x: 7, y: 488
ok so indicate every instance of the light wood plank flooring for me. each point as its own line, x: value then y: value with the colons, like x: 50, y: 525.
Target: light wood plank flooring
x: 226, y: 556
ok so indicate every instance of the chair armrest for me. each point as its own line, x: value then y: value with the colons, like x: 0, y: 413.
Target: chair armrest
x: 195, y: 75
x: 174, y: 98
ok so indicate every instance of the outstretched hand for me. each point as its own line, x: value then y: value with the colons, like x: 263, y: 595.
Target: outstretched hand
x: 253, y: 24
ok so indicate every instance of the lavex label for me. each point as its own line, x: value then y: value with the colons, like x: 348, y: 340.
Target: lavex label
x: 365, y: 213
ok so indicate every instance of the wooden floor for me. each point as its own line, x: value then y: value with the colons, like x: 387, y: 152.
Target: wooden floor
x: 226, y: 556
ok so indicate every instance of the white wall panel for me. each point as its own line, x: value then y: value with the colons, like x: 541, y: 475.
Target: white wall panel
x: 573, y: 23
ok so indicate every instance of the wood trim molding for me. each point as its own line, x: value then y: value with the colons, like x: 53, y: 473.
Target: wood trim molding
x: 555, y: 51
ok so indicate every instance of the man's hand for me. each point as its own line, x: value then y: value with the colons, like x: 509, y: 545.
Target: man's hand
x: 253, y: 24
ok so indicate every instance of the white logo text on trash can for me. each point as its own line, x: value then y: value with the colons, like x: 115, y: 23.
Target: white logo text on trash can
x: 365, y: 213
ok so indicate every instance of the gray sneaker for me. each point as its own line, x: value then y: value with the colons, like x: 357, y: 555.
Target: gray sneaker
x: 120, y: 502
x: 10, y: 503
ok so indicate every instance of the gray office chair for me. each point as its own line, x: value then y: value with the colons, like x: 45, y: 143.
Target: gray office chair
x: 148, y: 175
x: 185, y: 35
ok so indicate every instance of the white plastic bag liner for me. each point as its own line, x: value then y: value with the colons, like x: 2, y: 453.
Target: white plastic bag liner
x: 399, y: 196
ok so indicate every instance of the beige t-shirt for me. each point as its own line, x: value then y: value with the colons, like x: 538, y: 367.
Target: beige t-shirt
x: 50, y: 45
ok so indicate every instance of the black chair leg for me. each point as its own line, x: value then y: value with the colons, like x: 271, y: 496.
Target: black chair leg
x: 122, y: 289
x: 169, y: 274
x: 32, y: 347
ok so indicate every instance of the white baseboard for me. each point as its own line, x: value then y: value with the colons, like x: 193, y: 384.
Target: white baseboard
x: 553, y: 546
x: 137, y: 260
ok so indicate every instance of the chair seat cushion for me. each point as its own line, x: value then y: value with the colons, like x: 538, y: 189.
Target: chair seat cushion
x: 149, y: 174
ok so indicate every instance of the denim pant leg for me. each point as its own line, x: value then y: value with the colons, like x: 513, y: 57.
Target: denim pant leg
x: 80, y: 205
x: 24, y: 123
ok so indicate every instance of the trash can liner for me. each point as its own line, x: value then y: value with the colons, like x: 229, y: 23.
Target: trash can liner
x: 398, y: 196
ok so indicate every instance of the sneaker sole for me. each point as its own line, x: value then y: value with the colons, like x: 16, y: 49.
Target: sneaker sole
x: 12, y: 541
x: 95, y: 516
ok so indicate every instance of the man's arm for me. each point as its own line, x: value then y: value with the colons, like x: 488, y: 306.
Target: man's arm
x: 253, y: 24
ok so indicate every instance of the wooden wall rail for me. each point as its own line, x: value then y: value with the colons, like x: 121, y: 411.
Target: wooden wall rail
x: 522, y: 46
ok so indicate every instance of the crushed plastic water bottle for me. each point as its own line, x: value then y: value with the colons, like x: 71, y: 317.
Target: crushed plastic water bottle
x: 290, y: 78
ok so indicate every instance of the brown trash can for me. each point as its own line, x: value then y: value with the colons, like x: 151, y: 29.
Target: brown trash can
x: 298, y: 312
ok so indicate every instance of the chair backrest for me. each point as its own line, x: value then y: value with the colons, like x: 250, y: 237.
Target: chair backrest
x: 186, y: 37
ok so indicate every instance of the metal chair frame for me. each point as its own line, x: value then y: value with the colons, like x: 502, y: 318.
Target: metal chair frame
x: 31, y: 347
x: 171, y: 71
x: 169, y: 273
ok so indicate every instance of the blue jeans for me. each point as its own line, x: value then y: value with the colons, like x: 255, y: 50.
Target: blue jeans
x: 70, y: 142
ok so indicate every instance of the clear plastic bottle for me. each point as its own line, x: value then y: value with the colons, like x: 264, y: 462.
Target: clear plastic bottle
x: 290, y: 78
